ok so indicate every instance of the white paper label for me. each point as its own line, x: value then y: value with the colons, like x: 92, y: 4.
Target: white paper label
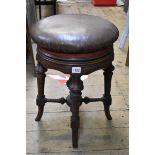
x: 76, y: 69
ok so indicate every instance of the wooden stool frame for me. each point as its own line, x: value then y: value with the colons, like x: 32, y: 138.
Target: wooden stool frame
x: 88, y: 63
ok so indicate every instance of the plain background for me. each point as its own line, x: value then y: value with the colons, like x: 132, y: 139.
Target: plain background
x: 13, y: 77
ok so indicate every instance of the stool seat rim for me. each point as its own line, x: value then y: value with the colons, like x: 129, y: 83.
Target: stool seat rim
x: 75, y: 57
x: 65, y: 62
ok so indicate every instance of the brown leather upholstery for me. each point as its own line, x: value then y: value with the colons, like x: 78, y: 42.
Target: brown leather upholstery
x: 77, y: 33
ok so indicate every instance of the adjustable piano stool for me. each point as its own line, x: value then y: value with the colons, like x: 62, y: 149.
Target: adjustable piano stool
x: 78, y: 45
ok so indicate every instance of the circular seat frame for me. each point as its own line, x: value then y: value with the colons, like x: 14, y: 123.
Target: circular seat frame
x: 87, y: 63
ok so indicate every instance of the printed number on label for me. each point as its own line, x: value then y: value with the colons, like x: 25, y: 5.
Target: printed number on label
x: 76, y: 69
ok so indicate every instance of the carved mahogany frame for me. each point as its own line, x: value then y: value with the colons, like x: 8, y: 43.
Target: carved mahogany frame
x: 89, y: 62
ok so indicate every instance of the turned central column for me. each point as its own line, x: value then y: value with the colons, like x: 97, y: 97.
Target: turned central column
x: 75, y: 86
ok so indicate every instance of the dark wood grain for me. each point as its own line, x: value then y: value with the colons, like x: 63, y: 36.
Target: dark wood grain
x: 40, y: 70
x: 107, y: 100
x: 75, y: 86
x: 64, y: 63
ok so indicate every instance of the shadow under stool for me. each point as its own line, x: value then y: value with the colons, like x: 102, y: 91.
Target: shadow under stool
x: 78, y: 45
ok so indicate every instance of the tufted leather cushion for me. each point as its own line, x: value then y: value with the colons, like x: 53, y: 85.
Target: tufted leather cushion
x: 76, y: 33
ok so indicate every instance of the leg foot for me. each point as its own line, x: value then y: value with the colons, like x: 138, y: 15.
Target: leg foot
x: 75, y: 126
x: 107, y: 103
x: 75, y: 137
x: 108, y: 115
x: 107, y: 100
x: 40, y: 113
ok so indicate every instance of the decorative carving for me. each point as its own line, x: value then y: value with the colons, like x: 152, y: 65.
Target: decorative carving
x: 75, y: 86
x: 42, y: 101
x: 87, y: 100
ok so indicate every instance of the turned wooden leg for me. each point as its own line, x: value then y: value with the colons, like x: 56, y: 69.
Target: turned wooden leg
x: 107, y: 100
x: 75, y: 86
x: 40, y: 70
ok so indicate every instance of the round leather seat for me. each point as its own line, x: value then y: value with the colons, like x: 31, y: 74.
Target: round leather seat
x: 74, y: 34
